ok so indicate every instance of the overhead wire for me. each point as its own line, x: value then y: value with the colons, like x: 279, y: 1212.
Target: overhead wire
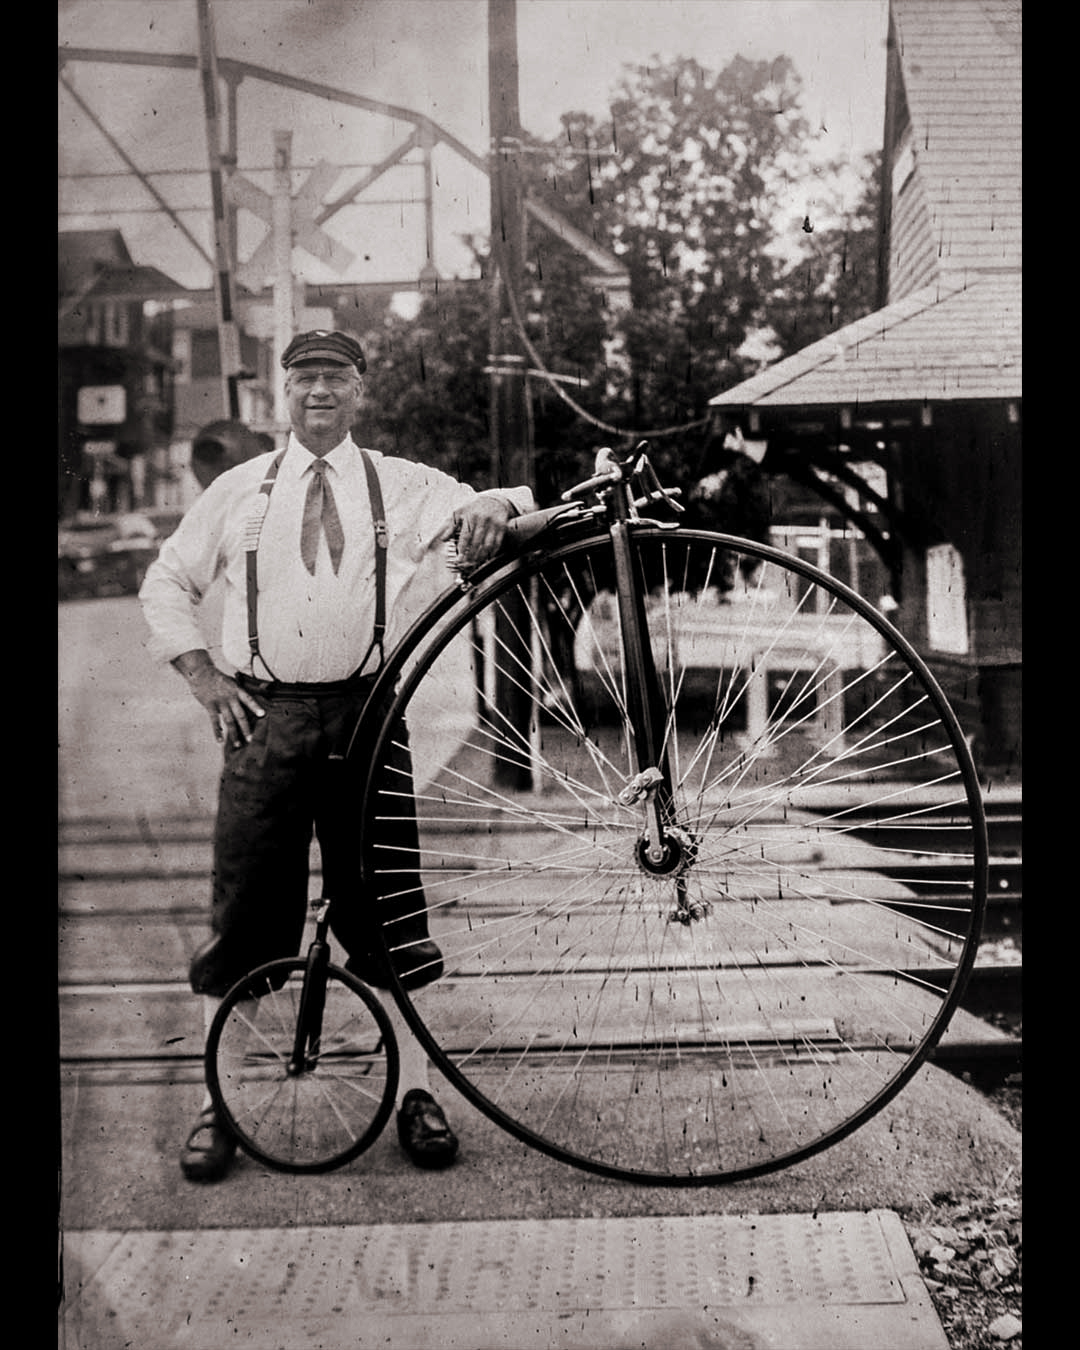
x: 551, y: 380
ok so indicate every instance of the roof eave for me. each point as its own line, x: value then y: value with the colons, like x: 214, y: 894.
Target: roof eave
x: 856, y: 378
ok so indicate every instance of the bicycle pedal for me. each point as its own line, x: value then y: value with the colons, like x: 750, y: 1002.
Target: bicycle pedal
x: 692, y: 913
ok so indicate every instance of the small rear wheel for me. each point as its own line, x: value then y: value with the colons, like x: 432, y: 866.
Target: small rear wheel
x: 318, y: 1113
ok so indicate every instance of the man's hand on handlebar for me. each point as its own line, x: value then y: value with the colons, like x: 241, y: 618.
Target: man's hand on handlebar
x: 479, y: 529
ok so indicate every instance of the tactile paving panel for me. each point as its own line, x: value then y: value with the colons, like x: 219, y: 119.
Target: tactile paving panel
x: 659, y: 1263
x: 287, y: 1287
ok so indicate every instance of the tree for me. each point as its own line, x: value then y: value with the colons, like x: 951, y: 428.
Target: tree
x: 426, y: 391
x: 834, y: 280
x: 686, y: 184
x: 695, y: 182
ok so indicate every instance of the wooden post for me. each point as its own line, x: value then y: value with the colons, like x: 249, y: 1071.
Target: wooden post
x: 511, y: 451
x: 228, y: 331
x: 284, y: 318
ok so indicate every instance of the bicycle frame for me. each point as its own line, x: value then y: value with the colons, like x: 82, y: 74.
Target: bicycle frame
x: 622, y: 487
x: 618, y: 509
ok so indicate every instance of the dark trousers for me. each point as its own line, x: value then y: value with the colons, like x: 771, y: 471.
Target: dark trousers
x: 286, y: 785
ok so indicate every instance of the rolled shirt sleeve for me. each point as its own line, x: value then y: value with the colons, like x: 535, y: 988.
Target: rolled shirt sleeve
x: 178, y: 579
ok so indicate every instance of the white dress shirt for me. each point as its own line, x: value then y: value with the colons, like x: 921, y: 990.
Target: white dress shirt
x: 311, y: 629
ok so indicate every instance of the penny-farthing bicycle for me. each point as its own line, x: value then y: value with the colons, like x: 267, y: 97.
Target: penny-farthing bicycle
x: 698, y: 835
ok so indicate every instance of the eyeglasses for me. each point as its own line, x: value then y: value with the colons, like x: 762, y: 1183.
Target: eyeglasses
x: 338, y: 379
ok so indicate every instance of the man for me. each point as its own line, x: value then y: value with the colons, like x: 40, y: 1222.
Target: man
x: 295, y: 538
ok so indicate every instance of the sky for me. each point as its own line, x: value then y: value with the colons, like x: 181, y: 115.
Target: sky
x: 429, y: 56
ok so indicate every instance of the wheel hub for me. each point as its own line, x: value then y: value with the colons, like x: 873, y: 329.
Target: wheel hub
x: 676, y: 854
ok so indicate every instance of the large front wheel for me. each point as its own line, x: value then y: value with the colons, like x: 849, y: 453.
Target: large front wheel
x: 756, y: 986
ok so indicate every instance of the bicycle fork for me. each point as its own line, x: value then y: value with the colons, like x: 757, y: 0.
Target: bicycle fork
x: 665, y: 848
x: 307, y: 1045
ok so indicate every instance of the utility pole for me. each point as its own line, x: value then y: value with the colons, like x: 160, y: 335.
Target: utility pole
x: 284, y: 290
x: 228, y: 329
x: 511, y: 449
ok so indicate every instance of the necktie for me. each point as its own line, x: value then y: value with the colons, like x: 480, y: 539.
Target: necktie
x: 320, y: 512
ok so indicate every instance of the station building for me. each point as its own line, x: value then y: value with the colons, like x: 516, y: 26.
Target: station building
x: 907, y: 423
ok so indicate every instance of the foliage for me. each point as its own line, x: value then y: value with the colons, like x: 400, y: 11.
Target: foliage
x: 699, y: 183
x: 426, y: 394
x: 835, y: 281
x: 970, y: 1254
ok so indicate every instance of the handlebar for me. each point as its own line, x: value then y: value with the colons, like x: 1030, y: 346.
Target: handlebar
x: 522, y: 529
x: 634, y: 469
x: 610, y: 471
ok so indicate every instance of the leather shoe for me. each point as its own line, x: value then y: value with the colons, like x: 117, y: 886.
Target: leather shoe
x: 209, y: 1149
x: 423, y: 1131
x: 416, y: 964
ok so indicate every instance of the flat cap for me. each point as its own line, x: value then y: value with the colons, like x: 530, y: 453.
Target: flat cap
x: 322, y: 345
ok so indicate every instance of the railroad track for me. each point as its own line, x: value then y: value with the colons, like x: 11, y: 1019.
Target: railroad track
x: 133, y: 909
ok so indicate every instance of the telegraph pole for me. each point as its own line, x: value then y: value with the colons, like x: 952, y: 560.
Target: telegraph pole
x: 511, y: 450
x: 228, y: 329
x: 284, y: 286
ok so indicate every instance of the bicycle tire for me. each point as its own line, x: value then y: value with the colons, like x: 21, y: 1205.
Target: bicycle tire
x: 317, y: 1120
x: 833, y: 837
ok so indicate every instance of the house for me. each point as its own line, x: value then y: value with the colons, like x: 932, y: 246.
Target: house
x: 909, y: 421
x: 116, y: 372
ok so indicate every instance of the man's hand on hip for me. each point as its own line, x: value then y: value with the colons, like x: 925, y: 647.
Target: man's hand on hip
x: 233, y: 712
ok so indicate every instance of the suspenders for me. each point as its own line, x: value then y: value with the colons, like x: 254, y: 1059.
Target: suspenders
x: 382, y: 544
x: 251, y: 549
x: 253, y: 532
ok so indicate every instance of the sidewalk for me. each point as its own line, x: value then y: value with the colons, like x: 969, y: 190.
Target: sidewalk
x: 508, y: 1248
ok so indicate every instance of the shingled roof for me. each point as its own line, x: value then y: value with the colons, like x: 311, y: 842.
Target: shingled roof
x: 97, y: 263
x: 921, y: 348
x: 952, y: 329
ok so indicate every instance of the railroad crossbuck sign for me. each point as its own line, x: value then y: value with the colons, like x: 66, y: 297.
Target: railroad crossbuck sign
x: 306, y: 233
